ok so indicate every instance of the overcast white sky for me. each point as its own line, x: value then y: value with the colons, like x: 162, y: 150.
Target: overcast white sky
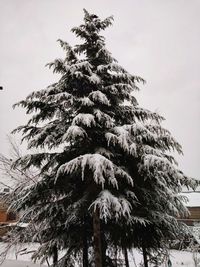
x: 156, y: 39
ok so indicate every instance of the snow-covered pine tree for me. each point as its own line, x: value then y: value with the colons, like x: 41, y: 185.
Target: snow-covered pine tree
x: 108, y: 163
x: 77, y: 115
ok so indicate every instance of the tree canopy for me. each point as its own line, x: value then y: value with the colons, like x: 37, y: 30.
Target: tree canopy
x: 102, y: 153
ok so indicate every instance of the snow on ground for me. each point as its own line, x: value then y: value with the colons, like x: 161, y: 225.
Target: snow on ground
x: 14, y: 263
x: 178, y: 258
x: 182, y: 258
x: 14, y: 259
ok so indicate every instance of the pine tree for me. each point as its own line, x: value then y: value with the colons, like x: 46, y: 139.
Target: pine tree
x: 108, y: 163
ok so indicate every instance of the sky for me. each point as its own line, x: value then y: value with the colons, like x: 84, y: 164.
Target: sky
x: 158, y: 40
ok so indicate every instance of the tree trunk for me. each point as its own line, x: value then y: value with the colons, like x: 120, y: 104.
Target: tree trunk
x: 85, y: 245
x: 115, y: 259
x: 97, y: 239
x: 126, y: 257
x: 103, y: 248
x: 145, y: 256
x: 55, y: 256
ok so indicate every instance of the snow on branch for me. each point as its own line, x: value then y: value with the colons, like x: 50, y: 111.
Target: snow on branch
x: 103, y: 118
x: 58, y: 98
x: 71, y: 55
x: 188, y: 181
x: 123, y: 88
x: 48, y: 135
x: 119, y: 172
x: 85, y: 119
x: 154, y: 136
x: 145, y: 114
x: 153, y: 160
x: 122, y: 138
x: 104, y: 53
x: 73, y: 133
x: 36, y: 160
x: 112, y: 67
x: 57, y: 65
x: 94, y: 79
x: 111, y: 139
x: 50, y: 90
x: 104, y: 152
x: 102, y: 168
x: 98, y: 96
x: 83, y: 66
x: 85, y: 101
x: 156, y: 163
x: 110, y: 206
x: 147, y: 149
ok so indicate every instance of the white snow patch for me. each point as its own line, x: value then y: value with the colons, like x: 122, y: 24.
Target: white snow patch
x: 111, y: 206
x: 178, y: 258
x: 94, y: 79
x: 86, y: 119
x: 73, y: 132
x: 17, y: 263
x: 102, y: 168
x: 100, y: 97
x: 86, y: 101
x: 103, y: 117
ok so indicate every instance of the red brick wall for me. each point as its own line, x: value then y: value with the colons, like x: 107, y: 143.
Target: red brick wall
x: 3, y: 216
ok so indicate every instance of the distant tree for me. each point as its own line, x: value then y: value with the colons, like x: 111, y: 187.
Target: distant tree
x: 11, y: 177
x: 16, y: 179
x: 108, y: 165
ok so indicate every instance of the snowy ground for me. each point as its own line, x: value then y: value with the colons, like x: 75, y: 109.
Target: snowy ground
x: 178, y: 258
x: 14, y: 263
x: 14, y: 259
x: 182, y: 258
